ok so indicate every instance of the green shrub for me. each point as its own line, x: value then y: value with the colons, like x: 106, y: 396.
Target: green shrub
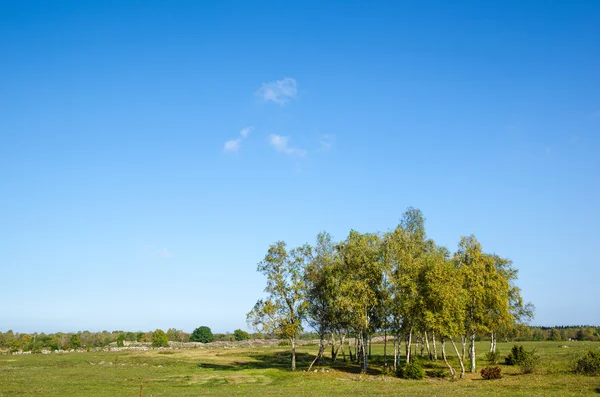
x: 120, y: 340
x: 202, y: 334
x: 529, y: 361
x: 239, y: 335
x: 588, y: 363
x: 515, y: 356
x: 75, y: 341
x: 159, y: 339
x: 412, y: 370
x: 491, y: 373
x: 284, y: 343
x: 439, y: 373
x: 493, y: 357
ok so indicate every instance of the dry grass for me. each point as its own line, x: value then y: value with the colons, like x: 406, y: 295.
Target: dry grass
x: 263, y: 371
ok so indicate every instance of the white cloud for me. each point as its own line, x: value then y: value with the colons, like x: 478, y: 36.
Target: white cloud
x: 245, y: 131
x: 280, y: 91
x: 326, y: 142
x: 232, y: 145
x: 164, y: 253
x: 280, y: 143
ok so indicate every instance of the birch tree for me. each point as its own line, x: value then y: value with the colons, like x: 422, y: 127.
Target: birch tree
x: 284, y: 308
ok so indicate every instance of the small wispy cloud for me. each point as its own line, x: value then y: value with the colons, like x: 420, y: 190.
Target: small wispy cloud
x: 280, y: 143
x: 280, y: 91
x: 164, y: 253
x: 326, y: 142
x: 233, y: 145
x: 245, y: 131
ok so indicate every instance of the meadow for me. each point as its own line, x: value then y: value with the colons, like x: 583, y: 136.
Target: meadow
x: 264, y: 371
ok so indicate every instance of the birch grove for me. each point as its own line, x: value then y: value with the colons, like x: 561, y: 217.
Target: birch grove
x: 399, y: 283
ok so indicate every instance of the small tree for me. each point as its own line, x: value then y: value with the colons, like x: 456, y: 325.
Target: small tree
x: 202, y: 334
x: 159, y: 339
x: 283, y: 311
x: 120, y: 340
x: 240, y: 335
x: 75, y: 341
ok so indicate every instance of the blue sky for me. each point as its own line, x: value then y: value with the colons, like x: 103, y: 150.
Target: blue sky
x: 151, y: 151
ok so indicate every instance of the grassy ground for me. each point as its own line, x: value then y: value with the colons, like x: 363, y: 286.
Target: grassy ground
x: 264, y: 372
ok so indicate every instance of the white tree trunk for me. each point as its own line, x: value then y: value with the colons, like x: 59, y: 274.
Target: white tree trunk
x: 408, y: 347
x: 460, y: 359
x: 427, y: 345
x: 434, y: 346
x: 452, y: 370
x: 472, y: 352
x: 293, y: 340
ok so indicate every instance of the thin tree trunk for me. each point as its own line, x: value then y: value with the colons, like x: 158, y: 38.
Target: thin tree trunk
x: 427, y: 345
x: 452, y: 370
x: 365, y: 353
x: 342, y: 337
x: 460, y: 359
x: 408, y: 347
x: 395, y: 353
x: 293, y: 340
x: 463, y: 339
x: 434, y: 346
x: 384, y: 348
x: 334, y: 350
x: 399, y: 351
x: 472, y: 349
x: 369, y: 344
x: 319, y: 355
x: 350, y: 349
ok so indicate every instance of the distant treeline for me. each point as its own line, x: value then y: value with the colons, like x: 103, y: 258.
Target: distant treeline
x: 15, y: 341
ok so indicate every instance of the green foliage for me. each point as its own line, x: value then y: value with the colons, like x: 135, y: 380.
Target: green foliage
x: 491, y: 373
x: 139, y: 336
x: 412, y: 370
x: 120, y: 340
x: 75, y: 342
x: 439, y: 373
x: 529, y: 361
x: 240, y: 335
x: 202, y: 334
x: 159, y: 339
x: 493, y: 357
x: 588, y: 363
x: 515, y: 356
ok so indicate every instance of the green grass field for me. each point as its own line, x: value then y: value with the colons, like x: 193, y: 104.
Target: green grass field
x: 264, y: 372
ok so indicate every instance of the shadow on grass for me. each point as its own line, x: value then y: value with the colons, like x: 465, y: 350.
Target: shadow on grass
x: 283, y: 361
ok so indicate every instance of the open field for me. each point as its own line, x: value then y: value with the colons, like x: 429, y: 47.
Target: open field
x: 252, y: 371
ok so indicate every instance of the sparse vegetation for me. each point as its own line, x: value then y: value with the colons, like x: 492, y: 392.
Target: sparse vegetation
x: 258, y: 371
x: 411, y: 370
x: 159, y: 338
x: 488, y: 373
x: 588, y: 363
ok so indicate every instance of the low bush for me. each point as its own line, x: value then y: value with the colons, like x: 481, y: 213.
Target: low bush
x: 493, y: 357
x: 529, y: 361
x: 412, y: 370
x: 588, y: 363
x: 491, y: 373
x: 526, y: 360
x: 515, y: 356
x: 439, y: 373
